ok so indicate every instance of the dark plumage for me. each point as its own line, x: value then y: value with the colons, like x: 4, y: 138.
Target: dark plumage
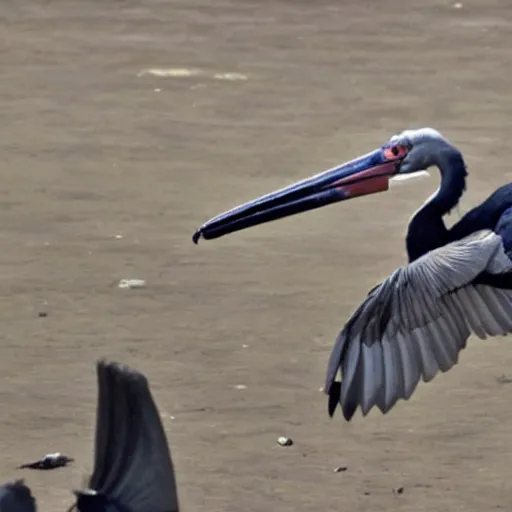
x: 16, y: 497
x: 133, y: 469
x: 458, y: 282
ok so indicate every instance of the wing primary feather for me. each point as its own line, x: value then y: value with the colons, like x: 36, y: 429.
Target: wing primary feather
x: 437, y: 333
x: 133, y: 469
x: 415, y: 323
x: 411, y: 363
x: 496, y: 321
x: 350, y: 384
x: 373, y: 378
x: 334, y: 397
x: 393, y: 388
x: 429, y: 367
x: 502, y: 306
x: 471, y: 314
x: 335, y: 360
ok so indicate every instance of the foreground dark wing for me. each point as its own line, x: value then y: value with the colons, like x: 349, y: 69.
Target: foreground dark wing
x: 133, y: 465
x: 416, y: 322
x: 16, y: 497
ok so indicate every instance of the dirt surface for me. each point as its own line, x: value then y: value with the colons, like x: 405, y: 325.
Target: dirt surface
x: 106, y: 173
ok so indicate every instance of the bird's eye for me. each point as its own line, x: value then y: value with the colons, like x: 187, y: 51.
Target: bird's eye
x: 395, y: 151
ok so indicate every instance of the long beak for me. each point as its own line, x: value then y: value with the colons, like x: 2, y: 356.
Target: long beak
x: 365, y: 175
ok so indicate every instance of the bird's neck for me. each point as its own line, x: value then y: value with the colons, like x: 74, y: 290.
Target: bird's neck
x: 427, y: 230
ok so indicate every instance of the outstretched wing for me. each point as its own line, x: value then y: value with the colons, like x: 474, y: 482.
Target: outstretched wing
x: 416, y: 323
x: 133, y: 464
x: 16, y: 497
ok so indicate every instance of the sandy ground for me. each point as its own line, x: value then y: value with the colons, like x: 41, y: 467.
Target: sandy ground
x: 106, y: 173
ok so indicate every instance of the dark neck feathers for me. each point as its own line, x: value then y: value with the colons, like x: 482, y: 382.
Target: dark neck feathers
x: 427, y: 230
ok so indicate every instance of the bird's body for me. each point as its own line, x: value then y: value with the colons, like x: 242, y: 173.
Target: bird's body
x: 495, y: 214
x: 415, y: 323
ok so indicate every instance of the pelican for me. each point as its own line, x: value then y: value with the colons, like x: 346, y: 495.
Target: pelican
x: 457, y: 281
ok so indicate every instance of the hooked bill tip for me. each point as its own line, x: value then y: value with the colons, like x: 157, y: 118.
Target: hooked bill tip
x: 196, y: 236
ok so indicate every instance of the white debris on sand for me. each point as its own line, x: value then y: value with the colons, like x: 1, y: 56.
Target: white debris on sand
x: 131, y: 284
x: 230, y: 76
x: 186, y: 72
x: 170, y: 72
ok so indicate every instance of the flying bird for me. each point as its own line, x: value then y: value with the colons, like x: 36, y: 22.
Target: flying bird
x: 133, y: 468
x: 458, y: 281
x: 16, y: 497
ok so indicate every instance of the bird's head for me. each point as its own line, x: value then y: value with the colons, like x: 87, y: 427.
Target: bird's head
x: 421, y: 149
x: 404, y: 154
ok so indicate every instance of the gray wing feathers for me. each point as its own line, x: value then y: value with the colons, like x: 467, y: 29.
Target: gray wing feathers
x: 455, y: 265
x: 416, y: 323
x: 133, y: 464
x: 16, y: 497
